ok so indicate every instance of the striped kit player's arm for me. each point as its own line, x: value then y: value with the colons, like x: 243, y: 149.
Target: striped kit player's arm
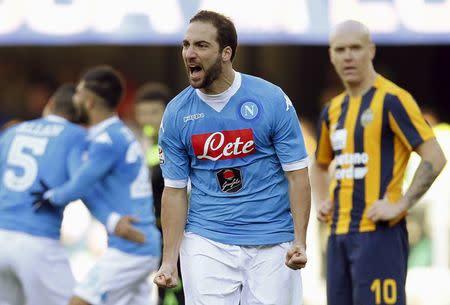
x: 410, y: 127
x: 320, y: 178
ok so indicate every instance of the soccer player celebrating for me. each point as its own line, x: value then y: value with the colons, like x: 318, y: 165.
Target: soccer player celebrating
x: 238, y: 139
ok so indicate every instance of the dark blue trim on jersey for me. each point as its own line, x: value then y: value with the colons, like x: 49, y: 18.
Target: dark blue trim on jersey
x: 340, y: 125
x: 403, y: 120
x: 387, y: 153
x: 359, y: 185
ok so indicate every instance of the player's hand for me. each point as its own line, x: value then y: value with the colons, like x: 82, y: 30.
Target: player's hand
x: 383, y: 210
x: 167, y: 276
x: 296, y: 257
x: 325, y: 211
x: 125, y: 229
x: 41, y: 198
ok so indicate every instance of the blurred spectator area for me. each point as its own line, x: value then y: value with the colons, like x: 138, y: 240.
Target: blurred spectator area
x: 29, y: 74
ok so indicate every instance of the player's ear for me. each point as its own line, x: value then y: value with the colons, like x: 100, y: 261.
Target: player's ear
x: 372, y: 50
x: 226, y: 53
x: 90, y: 102
x: 330, y: 54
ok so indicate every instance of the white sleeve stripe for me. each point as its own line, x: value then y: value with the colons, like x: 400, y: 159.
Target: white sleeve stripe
x: 296, y: 165
x: 179, y: 184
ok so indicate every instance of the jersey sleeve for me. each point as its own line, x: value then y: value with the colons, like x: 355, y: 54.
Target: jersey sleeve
x: 174, y: 159
x: 92, y: 197
x: 407, y: 121
x: 288, y: 137
x: 96, y: 204
x: 324, y: 152
x: 102, y: 154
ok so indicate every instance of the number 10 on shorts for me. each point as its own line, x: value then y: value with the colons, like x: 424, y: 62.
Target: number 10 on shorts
x: 384, y: 289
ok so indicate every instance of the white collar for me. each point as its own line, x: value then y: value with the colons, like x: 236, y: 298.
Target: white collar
x: 223, y: 97
x: 55, y: 118
x: 99, y: 127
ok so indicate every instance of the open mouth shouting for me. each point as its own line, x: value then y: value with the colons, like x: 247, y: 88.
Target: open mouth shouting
x: 195, y: 72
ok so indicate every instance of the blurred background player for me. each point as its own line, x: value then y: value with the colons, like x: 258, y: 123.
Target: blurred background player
x: 115, y: 164
x: 28, y: 155
x: 150, y: 102
x: 33, y: 264
x: 369, y: 131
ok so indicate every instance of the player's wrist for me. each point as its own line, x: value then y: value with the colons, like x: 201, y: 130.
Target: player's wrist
x: 404, y: 204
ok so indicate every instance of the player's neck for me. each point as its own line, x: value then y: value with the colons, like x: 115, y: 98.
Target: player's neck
x: 99, y: 116
x: 222, y: 83
x: 359, y: 89
x: 62, y: 115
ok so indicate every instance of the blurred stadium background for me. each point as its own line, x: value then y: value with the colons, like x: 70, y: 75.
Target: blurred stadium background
x: 46, y: 42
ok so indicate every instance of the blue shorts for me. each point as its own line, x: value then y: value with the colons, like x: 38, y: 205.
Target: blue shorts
x: 368, y: 268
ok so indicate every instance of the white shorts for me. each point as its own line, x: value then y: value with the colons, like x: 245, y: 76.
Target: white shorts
x: 118, y: 278
x: 33, y: 270
x: 220, y: 274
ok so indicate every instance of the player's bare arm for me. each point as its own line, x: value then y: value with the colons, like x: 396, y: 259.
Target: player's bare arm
x: 300, y: 202
x: 433, y: 161
x: 320, y: 181
x: 173, y: 221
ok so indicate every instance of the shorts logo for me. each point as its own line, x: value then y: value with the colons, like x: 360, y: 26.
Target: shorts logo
x: 249, y: 110
x: 222, y: 145
x: 229, y: 179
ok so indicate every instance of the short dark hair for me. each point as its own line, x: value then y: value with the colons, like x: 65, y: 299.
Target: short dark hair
x: 153, y: 91
x: 105, y: 82
x: 62, y: 101
x: 226, y: 31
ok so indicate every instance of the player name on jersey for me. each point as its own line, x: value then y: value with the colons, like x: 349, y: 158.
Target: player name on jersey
x: 223, y: 145
x: 41, y: 129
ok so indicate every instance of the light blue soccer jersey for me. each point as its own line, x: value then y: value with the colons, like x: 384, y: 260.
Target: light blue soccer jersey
x: 29, y: 152
x: 235, y: 159
x: 113, y: 176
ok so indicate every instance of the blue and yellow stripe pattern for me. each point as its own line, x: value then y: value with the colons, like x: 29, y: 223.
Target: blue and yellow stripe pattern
x: 368, y: 139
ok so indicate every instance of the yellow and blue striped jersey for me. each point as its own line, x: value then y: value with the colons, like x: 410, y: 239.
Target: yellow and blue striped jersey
x: 369, y: 138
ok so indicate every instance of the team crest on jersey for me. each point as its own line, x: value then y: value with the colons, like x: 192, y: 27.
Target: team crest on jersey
x: 222, y: 145
x: 249, y: 110
x: 367, y: 117
x: 230, y: 180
